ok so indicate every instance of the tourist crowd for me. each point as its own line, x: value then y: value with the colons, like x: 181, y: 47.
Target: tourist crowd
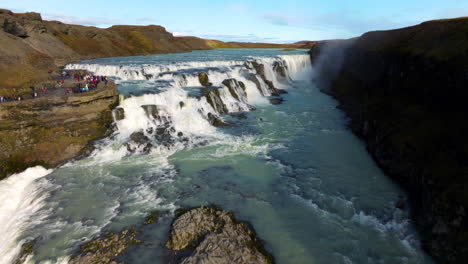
x: 83, y: 83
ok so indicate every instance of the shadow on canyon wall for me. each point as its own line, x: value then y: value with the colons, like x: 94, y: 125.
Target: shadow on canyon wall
x: 405, y: 93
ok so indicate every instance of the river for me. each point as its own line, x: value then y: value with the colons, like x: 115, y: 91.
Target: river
x: 293, y: 170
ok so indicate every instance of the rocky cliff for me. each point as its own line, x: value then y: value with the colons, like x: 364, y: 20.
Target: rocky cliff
x: 50, y: 130
x: 405, y: 92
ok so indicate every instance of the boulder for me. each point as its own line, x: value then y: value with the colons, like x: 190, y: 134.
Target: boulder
x: 204, y: 80
x: 119, y: 113
x: 151, y: 110
x: 139, y: 138
x: 276, y: 100
x: 216, y: 121
x: 215, y: 236
x: 106, y: 248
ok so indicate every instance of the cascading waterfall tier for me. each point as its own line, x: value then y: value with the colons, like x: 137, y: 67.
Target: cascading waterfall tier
x: 189, y: 99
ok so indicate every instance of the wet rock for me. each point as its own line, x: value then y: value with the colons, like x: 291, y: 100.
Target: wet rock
x: 119, y: 113
x: 216, y: 121
x: 139, y: 138
x: 280, y: 69
x: 401, y: 204
x: 26, y: 250
x: 260, y: 68
x: 151, y: 110
x: 276, y: 100
x: 278, y: 92
x: 106, y: 248
x: 204, y: 79
x: 215, y: 236
x: 214, y: 99
x: 147, y: 148
x: 236, y: 89
x: 152, y: 218
x: 239, y: 115
x: 253, y: 78
x: 180, y: 134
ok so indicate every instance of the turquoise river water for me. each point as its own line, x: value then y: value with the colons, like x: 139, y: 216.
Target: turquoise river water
x: 293, y: 170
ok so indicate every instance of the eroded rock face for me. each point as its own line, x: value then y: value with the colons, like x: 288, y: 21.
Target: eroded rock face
x: 51, y: 130
x: 105, y: 248
x: 216, y: 237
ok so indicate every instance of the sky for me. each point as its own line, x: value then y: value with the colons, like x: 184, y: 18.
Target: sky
x: 275, y: 21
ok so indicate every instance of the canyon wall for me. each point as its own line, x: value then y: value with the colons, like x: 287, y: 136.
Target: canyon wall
x: 405, y: 92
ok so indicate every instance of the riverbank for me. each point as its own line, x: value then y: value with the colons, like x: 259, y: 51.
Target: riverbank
x: 405, y: 93
x: 51, y: 129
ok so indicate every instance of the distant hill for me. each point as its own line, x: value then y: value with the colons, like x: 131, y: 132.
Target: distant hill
x: 29, y: 46
x: 306, y: 43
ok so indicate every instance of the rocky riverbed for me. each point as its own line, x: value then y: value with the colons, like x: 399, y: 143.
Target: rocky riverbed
x: 199, y: 235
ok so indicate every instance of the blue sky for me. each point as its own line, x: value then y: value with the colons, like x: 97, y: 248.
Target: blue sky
x: 256, y: 20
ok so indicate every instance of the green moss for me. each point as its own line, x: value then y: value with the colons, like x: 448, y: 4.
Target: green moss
x: 204, y: 79
x: 26, y: 250
x: 18, y: 162
x: 152, y: 218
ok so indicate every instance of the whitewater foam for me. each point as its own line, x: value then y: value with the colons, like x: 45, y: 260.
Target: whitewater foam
x: 20, y: 199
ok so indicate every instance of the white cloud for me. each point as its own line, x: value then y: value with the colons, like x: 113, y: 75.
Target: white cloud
x: 238, y: 8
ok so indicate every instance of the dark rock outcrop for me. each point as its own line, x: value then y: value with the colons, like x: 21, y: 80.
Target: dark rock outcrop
x: 215, y: 236
x: 214, y: 99
x: 105, y: 248
x: 405, y: 91
x: 276, y: 100
x: 119, y: 113
x: 204, y: 79
x: 280, y: 69
x: 216, y: 121
x: 260, y: 68
x: 236, y: 89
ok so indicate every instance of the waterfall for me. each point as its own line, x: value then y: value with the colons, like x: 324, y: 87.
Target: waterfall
x: 185, y: 111
x: 19, y: 201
